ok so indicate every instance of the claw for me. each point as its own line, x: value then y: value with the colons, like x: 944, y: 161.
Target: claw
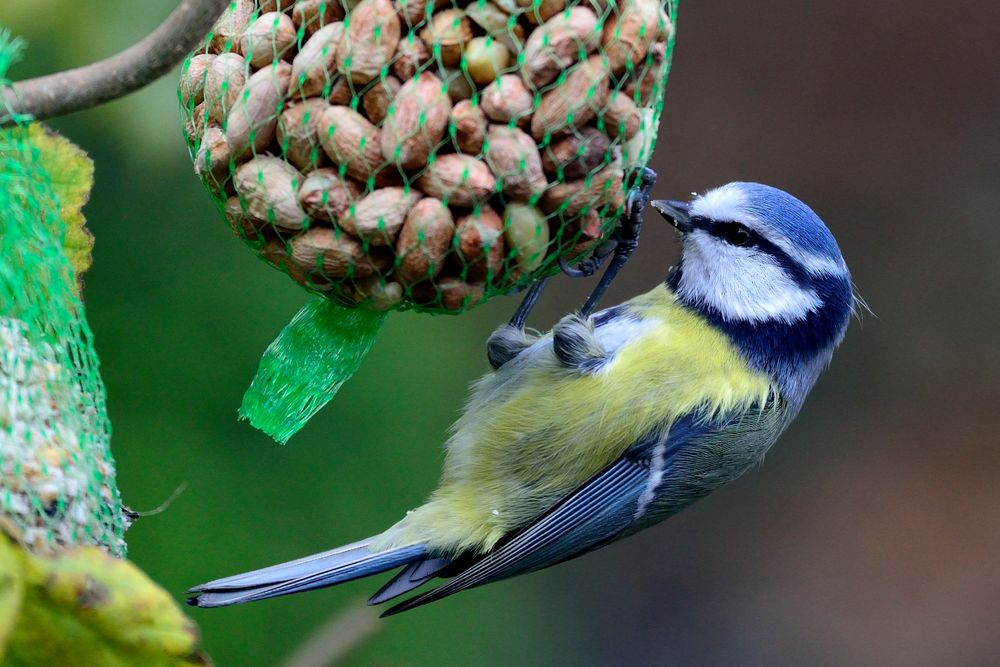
x: 626, y: 237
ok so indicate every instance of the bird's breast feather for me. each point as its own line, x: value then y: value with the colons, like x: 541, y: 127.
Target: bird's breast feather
x: 533, y: 432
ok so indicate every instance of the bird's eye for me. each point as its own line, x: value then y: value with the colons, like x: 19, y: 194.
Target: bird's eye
x: 734, y: 233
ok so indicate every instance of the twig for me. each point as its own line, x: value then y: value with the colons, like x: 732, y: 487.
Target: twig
x: 336, y: 638
x: 85, y: 87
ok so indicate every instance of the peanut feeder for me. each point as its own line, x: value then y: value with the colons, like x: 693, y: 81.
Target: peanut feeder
x: 406, y: 154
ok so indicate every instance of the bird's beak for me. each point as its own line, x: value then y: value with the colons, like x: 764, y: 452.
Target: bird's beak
x: 677, y: 213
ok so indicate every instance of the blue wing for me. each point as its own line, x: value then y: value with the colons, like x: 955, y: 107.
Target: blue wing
x: 597, y: 513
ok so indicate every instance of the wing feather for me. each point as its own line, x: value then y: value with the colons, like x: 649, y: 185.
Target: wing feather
x: 587, y: 518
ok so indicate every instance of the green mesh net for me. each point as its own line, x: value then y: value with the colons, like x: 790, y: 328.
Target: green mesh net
x: 57, y: 475
x: 425, y: 154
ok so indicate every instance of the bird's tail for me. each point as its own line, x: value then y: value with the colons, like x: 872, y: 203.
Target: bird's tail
x: 345, y: 563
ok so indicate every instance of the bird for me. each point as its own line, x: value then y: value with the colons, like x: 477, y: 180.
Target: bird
x: 611, y: 422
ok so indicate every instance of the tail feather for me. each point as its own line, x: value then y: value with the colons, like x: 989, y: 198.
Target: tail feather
x: 351, y: 561
x: 412, y: 576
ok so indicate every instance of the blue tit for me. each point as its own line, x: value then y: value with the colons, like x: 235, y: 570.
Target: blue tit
x: 610, y: 423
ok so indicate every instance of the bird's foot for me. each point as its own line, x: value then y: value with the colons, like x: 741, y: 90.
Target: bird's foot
x: 507, y: 342
x: 575, y: 344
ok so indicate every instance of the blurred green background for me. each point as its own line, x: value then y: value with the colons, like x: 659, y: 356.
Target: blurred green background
x: 871, y: 536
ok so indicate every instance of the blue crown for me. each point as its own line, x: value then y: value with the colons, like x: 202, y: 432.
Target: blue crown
x: 790, y: 217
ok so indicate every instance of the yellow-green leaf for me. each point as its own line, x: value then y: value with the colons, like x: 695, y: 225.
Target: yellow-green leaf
x: 71, y: 172
x: 84, y: 608
x: 11, y: 591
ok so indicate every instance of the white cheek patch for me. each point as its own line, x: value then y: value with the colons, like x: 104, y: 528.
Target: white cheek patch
x: 742, y: 284
x: 729, y: 204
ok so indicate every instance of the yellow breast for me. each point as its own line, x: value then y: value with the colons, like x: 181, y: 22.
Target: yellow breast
x: 532, y: 435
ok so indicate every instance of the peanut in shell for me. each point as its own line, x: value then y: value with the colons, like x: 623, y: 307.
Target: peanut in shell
x: 380, y: 295
x: 378, y: 216
x: 413, y: 13
x: 621, y: 116
x: 448, y: 31
x: 571, y: 105
x: 411, y: 53
x: 341, y: 92
x: 637, y: 150
x: 416, y: 121
x: 330, y: 253
x: 369, y: 42
x: 602, y: 191
x: 253, y: 118
x: 497, y: 23
x: 192, y: 86
x: 486, y: 59
x: 311, y: 15
x: 460, y: 85
x: 468, y: 126
x: 195, y: 125
x: 270, y: 188
x: 275, y: 5
x: 540, y: 11
x: 246, y: 227
x: 481, y: 243
x: 377, y: 100
x: 526, y: 230
x: 647, y: 75
x: 314, y: 67
x: 577, y: 155
x: 298, y: 133
x: 268, y: 38
x: 514, y: 159
x: 627, y: 36
x: 212, y: 159
x: 459, y: 180
x: 553, y: 47
x: 326, y: 195
x: 351, y: 140
x: 508, y: 99
x: 424, y: 241
x: 224, y: 81
x: 231, y: 25
x: 457, y: 295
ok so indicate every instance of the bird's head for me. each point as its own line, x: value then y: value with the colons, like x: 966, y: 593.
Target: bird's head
x: 755, y: 258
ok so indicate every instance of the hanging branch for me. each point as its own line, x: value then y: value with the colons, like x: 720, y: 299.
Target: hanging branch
x: 135, y: 67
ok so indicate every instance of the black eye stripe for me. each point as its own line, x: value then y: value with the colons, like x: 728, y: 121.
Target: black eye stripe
x: 758, y: 242
x: 733, y: 233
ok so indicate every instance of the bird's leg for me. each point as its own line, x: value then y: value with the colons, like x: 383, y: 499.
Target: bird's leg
x: 510, y: 339
x: 626, y: 237
x: 574, y: 339
x: 528, y: 303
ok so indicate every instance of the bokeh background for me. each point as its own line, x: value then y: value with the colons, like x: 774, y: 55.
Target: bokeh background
x: 870, y: 536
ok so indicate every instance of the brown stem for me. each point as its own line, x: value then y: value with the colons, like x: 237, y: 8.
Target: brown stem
x: 85, y: 87
x: 336, y: 638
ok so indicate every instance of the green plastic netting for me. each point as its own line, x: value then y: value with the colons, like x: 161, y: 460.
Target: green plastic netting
x: 57, y: 475
x: 424, y: 154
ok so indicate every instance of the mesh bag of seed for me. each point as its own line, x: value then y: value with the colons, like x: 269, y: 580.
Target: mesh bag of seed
x: 57, y: 476
x: 417, y: 154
